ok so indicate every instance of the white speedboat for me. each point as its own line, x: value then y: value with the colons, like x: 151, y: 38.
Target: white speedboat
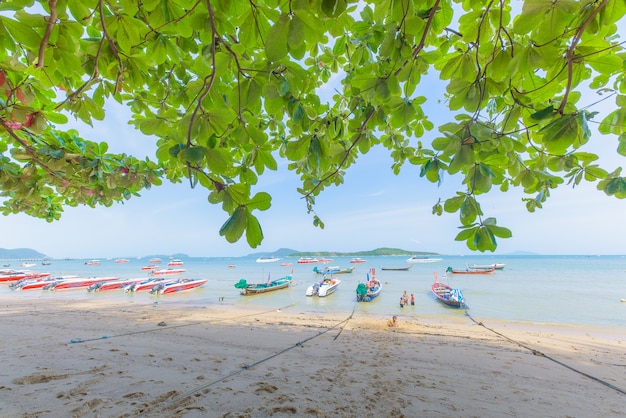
x: 324, y: 288
x: 421, y: 259
x: 267, y: 259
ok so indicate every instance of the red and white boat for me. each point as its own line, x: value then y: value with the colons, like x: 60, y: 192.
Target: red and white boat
x: 38, y: 283
x: 146, y: 284
x: 155, y: 260
x: 74, y: 284
x: 308, y: 260
x: 177, y: 286
x: 121, y: 261
x: 113, y: 285
x: 325, y: 260
x: 175, y: 263
x: 357, y: 260
x: 168, y: 272
x: 150, y: 267
x: 92, y: 263
x: 16, y: 275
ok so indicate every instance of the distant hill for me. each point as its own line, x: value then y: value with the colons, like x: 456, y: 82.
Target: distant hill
x: 286, y: 252
x: 19, y: 253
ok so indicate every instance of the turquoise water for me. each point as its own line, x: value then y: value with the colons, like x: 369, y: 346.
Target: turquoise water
x: 572, y: 290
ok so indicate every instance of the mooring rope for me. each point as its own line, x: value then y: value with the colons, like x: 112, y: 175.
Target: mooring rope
x: 249, y: 366
x: 539, y: 353
x: 105, y: 337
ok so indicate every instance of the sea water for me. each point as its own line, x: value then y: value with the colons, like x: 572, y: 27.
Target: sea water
x: 574, y: 290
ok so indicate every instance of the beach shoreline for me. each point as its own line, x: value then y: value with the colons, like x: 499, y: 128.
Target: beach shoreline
x: 109, y: 359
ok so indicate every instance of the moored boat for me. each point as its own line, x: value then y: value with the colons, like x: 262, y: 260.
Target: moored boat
x: 267, y: 259
x: 357, y: 260
x: 497, y: 266
x: 397, y: 268
x: 175, y: 263
x: 121, y: 261
x: 423, y: 259
x: 38, y: 283
x: 74, y: 284
x: 146, y: 284
x: 7, y: 276
x: 327, y: 286
x: 308, y: 260
x: 150, y: 267
x: 155, y: 260
x: 28, y: 265
x: 468, y: 271
x: 92, y: 263
x: 448, y: 295
x: 168, y: 272
x: 269, y: 286
x: 177, y: 286
x: 114, y: 284
x: 334, y: 270
x: 370, y: 290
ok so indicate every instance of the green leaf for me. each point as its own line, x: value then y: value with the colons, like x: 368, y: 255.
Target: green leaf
x: 333, y: 8
x: 543, y: 113
x: 22, y: 33
x: 469, y: 210
x: 454, y: 204
x: 484, y: 240
x: 254, y: 233
x: 234, y: 227
x: 260, y: 201
x: 560, y: 134
x: 276, y: 46
x: 295, y: 38
x: 466, y: 234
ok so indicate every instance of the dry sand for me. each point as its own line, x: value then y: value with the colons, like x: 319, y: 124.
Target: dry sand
x: 83, y: 359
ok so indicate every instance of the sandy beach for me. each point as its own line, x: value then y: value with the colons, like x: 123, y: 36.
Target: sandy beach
x: 86, y: 359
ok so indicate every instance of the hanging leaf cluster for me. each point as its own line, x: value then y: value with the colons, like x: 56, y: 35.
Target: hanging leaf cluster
x: 228, y: 88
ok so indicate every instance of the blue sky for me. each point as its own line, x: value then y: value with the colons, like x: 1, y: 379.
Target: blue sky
x: 372, y: 209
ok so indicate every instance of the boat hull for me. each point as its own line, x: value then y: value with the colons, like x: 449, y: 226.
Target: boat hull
x: 397, y: 268
x: 497, y: 266
x: 258, y: 288
x: 178, y: 286
x: 324, y: 288
x: 447, y: 295
x: 75, y: 284
x: 20, y: 275
x: 267, y: 259
x: 168, y: 272
x: 421, y: 260
x: 489, y: 271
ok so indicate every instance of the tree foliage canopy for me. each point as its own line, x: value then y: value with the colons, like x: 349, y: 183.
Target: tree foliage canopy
x: 228, y: 87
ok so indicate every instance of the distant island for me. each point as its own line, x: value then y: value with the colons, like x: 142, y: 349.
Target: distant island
x: 286, y: 252
x: 20, y: 253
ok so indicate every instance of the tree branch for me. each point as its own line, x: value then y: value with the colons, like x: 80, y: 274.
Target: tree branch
x: 569, y: 55
x: 46, y: 36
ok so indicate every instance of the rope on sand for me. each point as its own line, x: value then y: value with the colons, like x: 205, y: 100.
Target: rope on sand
x: 345, y: 322
x: 539, y: 353
x: 104, y: 337
x: 249, y: 366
